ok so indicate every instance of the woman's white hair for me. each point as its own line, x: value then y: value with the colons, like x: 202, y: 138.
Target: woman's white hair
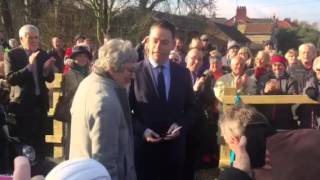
x: 309, y: 45
x: 25, y: 29
x: 115, y: 53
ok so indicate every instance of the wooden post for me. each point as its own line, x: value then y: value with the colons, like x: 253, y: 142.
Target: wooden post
x: 56, y: 137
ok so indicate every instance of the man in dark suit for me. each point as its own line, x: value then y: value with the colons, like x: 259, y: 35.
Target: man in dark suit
x: 162, y: 102
x: 57, y: 52
x: 27, y: 68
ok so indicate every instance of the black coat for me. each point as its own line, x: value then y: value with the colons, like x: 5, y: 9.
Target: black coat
x: 148, y: 112
x: 310, y: 113
x: 163, y: 160
x: 22, y: 94
x: 280, y: 116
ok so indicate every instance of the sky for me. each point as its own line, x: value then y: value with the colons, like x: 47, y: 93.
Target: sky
x: 302, y: 10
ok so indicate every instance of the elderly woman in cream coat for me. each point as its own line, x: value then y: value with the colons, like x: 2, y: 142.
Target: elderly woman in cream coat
x: 101, y: 126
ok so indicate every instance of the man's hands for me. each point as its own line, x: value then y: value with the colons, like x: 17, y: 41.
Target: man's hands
x: 173, y: 132
x: 47, y: 66
x: 198, y: 84
x: 272, y: 86
x: 241, y: 81
x: 153, y: 137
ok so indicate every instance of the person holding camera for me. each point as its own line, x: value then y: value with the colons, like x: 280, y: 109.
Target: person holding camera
x: 285, y: 155
x: 278, y: 82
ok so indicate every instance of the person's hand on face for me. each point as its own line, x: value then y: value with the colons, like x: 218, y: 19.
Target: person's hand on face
x: 242, y: 161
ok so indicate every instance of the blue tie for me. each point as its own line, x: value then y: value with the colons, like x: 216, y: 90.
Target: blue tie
x: 161, y: 85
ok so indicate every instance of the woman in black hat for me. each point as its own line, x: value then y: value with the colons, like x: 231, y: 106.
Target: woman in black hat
x: 79, y: 69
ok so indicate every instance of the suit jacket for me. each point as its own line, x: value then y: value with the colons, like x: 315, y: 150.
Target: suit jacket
x: 149, y: 112
x: 59, y: 59
x: 22, y: 94
x: 101, y: 126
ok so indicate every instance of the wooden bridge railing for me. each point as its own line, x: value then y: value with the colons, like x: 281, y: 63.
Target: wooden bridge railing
x: 56, y: 137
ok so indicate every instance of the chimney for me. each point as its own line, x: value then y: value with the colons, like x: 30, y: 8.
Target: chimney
x: 241, y: 13
x: 287, y: 19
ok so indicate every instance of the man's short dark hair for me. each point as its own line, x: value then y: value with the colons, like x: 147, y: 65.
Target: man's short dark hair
x: 78, y: 36
x: 165, y: 25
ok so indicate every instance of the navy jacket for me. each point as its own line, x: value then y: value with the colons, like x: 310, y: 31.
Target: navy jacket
x: 149, y: 112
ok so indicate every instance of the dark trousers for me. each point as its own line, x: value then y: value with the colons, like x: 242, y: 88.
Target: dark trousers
x: 162, y: 161
x: 4, y: 156
x: 66, y: 139
x: 31, y: 130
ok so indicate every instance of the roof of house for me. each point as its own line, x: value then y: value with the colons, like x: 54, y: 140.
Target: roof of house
x: 283, y: 24
x: 259, y: 28
x: 261, y: 20
x: 220, y: 20
x: 203, y: 25
x: 233, y: 33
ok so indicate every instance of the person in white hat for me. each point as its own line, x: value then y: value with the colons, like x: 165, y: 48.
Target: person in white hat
x: 79, y: 169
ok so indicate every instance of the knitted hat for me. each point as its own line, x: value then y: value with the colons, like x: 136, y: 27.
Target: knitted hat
x: 80, y: 169
x: 279, y: 59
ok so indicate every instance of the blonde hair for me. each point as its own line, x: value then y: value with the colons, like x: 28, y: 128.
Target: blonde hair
x: 264, y: 55
x: 246, y: 50
x: 195, y: 44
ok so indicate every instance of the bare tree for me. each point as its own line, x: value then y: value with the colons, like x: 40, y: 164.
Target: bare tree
x: 6, y: 17
x: 104, y: 11
x: 196, y: 7
x: 149, y: 5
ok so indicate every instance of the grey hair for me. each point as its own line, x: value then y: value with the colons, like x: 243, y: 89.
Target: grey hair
x: 309, y: 45
x: 315, y: 62
x: 235, y: 119
x: 114, y: 54
x: 26, y: 29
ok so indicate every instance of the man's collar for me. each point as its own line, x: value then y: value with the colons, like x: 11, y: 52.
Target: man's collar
x: 233, y: 75
x: 155, y: 65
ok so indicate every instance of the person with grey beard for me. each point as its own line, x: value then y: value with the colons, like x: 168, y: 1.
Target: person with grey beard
x: 278, y: 82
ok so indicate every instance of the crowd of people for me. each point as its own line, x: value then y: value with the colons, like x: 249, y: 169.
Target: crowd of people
x: 151, y: 112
